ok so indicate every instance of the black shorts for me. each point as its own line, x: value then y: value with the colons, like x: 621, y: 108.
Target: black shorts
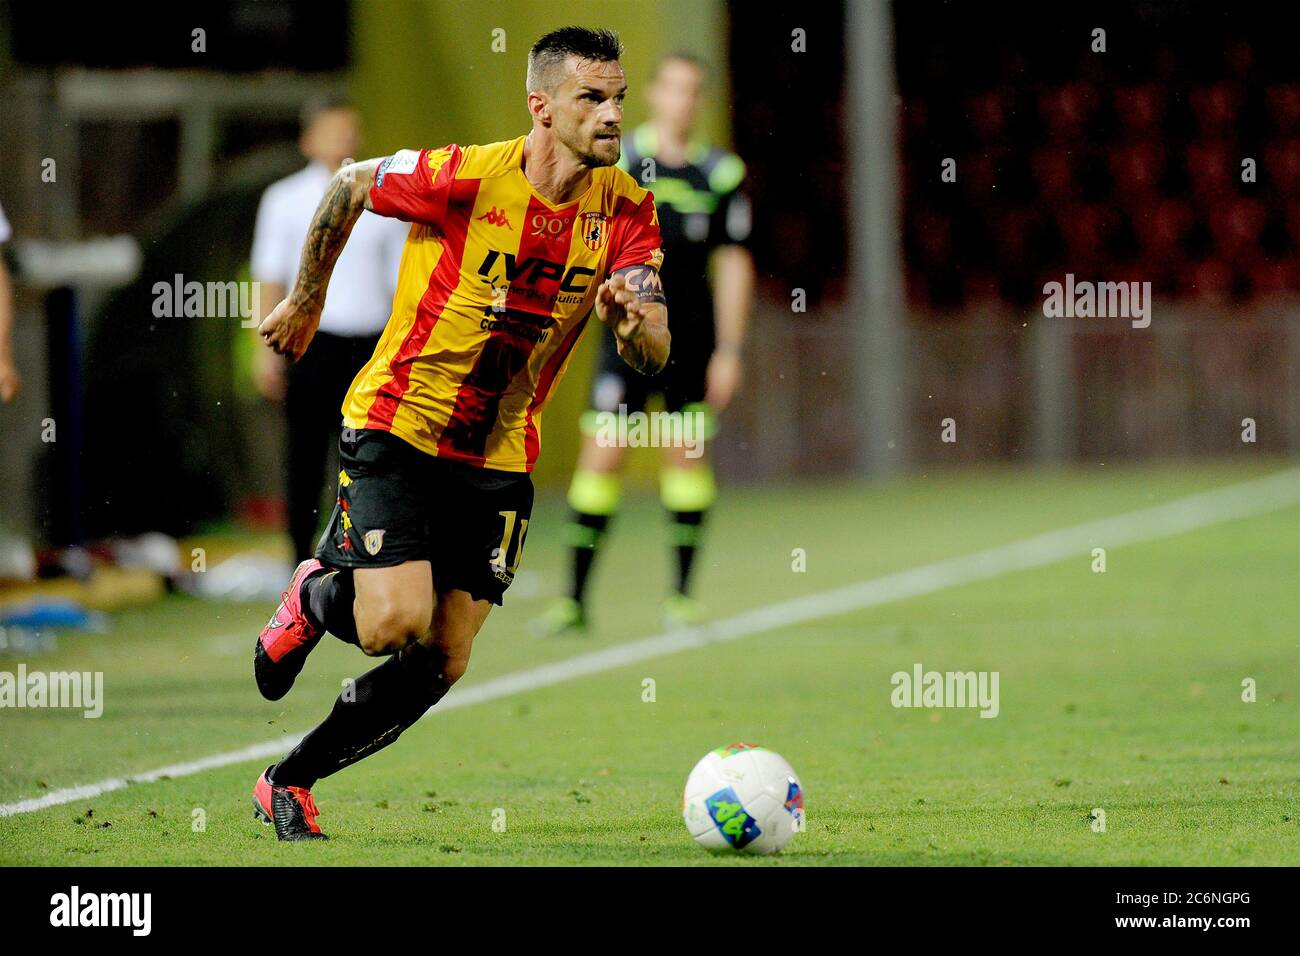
x: 397, y: 503
x: 682, y: 382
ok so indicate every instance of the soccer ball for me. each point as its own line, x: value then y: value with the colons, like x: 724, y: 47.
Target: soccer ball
x: 743, y: 798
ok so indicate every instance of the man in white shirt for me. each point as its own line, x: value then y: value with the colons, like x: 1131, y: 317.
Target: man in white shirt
x: 360, y: 299
x: 10, y: 382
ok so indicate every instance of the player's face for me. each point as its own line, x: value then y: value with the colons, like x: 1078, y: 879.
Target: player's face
x: 588, y: 111
x: 332, y: 137
x: 674, y: 96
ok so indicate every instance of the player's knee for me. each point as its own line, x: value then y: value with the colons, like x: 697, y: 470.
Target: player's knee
x: 452, y: 647
x: 454, y: 667
x: 390, y: 627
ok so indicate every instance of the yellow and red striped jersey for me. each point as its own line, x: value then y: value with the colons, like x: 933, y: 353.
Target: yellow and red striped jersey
x: 494, y: 289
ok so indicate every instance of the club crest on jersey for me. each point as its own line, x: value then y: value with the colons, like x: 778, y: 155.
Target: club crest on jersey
x: 374, y: 540
x: 595, y: 229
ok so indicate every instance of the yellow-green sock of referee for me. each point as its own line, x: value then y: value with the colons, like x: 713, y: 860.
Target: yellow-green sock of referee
x: 687, y: 494
x: 594, y: 498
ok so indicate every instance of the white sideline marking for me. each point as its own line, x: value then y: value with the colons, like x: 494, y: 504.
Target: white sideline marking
x: 1241, y: 500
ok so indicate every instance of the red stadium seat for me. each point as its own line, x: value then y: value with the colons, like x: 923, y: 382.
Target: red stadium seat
x: 1163, y: 233
x: 1236, y: 227
x: 1283, y: 103
x: 1282, y: 166
x: 1273, y: 277
x: 987, y: 112
x: 1067, y: 109
x: 1140, y: 110
x: 1210, y: 169
x: 1137, y: 168
x: 1208, y: 280
x: 1217, y: 108
x: 1054, y: 172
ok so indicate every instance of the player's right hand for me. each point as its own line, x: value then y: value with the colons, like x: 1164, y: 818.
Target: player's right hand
x: 289, y: 328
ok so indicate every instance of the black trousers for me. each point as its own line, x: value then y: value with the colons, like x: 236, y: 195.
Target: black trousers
x: 314, y: 394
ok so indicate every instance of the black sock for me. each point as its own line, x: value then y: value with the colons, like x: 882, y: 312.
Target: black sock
x: 368, y: 716
x: 584, y: 533
x: 327, y: 603
x: 686, y: 532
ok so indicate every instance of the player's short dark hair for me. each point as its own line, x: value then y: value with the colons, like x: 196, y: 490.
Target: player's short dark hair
x: 550, y: 53
x: 323, y: 103
x: 681, y: 56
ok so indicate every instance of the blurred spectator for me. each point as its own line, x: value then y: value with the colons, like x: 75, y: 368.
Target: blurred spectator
x: 355, y: 313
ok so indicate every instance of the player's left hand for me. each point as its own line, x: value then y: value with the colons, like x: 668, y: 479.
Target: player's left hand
x: 619, y: 307
x: 723, y: 379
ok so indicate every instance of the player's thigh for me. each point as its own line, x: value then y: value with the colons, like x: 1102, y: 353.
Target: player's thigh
x: 380, y: 530
x: 393, y: 606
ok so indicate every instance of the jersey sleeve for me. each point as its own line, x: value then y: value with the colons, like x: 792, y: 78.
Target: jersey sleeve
x: 415, y: 185
x: 638, y: 239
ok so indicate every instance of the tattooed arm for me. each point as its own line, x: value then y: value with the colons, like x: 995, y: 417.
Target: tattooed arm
x: 290, y: 326
x: 632, y: 303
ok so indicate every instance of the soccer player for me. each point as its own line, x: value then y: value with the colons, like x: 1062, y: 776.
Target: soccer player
x: 512, y: 246
x: 704, y: 212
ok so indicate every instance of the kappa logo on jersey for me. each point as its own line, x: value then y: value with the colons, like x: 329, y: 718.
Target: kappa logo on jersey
x: 495, y: 218
x: 594, y: 228
x: 437, y: 159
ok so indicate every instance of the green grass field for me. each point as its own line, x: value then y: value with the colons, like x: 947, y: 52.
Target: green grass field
x: 1120, y: 691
